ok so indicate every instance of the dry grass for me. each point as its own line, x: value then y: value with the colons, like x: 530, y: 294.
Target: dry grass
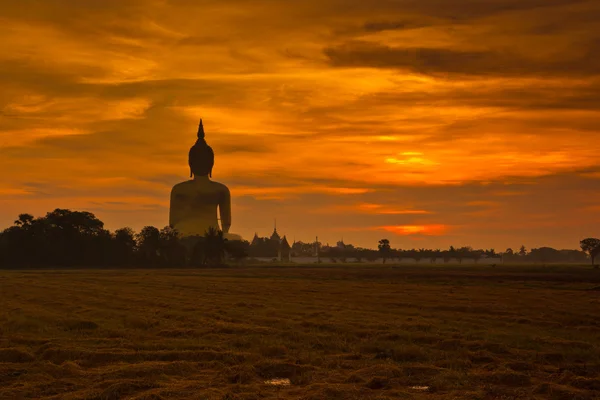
x: 335, y: 332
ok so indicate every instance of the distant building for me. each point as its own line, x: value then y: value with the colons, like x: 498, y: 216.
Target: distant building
x: 274, y: 247
x: 255, y: 240
x: 285, y: 250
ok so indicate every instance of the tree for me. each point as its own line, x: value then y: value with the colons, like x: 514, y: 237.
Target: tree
x: 21, y: 245
x: 419, y: 255
x: 384, y: 248
x: 462, y: 253
x: 509, y: 252
x: 238, y: 250
x: 371, y: 255
x: 148, y: 242
x: 172, y: 252
x: 591, y: 246
x: 25, y: 220
x: 435, y: 255
x: 544, y: 255
x: 595, y: 252
x: 197, y: 254
x: 447, y: 256
x: 3, y: 249
x: 522, y: 251
x: 214, y: 246
x: 65, y: 237
x: 476, y: 255
x: 452, y: 253
x: 124, y: 246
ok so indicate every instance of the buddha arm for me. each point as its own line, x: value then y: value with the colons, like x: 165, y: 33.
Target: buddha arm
x: 225, y: 210
x: 171, y: 211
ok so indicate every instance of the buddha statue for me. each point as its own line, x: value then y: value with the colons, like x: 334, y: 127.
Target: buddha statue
x: 194, y: 203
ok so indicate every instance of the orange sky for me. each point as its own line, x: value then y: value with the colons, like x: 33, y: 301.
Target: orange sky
x: 429, y: 122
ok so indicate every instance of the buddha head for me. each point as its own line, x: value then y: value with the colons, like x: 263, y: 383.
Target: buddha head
x: 201, y: 157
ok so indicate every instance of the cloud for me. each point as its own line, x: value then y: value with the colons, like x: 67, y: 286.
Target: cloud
x: 443, y: 62
x: 369, y: 208
x: 507, y: 94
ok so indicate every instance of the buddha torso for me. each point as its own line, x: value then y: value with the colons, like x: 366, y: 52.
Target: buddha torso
x: 194, y: 206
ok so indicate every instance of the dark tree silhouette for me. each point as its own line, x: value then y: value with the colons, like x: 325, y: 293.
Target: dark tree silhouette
x: 420, y: 254
x: 18, y: 247
x: 195, y: 246
x: 543, y: 254
x: 73, y: 238
x: 124, y: 246
x: 591, y: 246
x: 64, y: 238
x: 447, y: 256
x: 459, y: 255
x: 435, y: 254
x: 148, y: 242
x: 172, y: 251
x: 475, y: 255
x: 25, y: 220
x: 594, y: 253
x: 238, y: 250
x: 384, y: 249
x: 214, y: 246
x: 452, y: 252
x: 523, y: 251
x: 371, y: 256
x: 61, y: 238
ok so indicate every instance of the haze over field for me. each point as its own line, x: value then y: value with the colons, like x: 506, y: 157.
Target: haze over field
x: 430, y: 122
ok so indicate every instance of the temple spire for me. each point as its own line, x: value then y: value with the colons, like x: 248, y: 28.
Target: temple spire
x: 200, y: 130
x: 275, y: 235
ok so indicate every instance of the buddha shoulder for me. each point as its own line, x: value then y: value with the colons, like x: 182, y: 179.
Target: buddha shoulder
x: 181, y: 186
x: 191, y: 185
x: 220, y: 187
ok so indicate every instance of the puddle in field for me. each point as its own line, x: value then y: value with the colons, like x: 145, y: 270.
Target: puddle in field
x: 279, y: 382
x: 420, y: 388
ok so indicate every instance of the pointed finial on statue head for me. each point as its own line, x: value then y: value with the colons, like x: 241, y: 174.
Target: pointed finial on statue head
x: 200, y: 130
x: 201, y: 156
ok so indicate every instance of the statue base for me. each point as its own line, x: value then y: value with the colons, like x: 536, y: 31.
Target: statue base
x: 232, y: 236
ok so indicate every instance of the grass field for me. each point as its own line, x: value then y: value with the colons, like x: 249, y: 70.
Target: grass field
x: 335, y: 332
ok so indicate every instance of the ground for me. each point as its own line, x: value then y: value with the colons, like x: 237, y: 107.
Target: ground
x: 352, y: 332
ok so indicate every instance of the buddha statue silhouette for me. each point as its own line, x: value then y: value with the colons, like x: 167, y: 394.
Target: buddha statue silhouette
x: 194, y: 202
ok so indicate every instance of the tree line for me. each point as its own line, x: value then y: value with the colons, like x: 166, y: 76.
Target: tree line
x: 65, y: 238
x: 385, y: 252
